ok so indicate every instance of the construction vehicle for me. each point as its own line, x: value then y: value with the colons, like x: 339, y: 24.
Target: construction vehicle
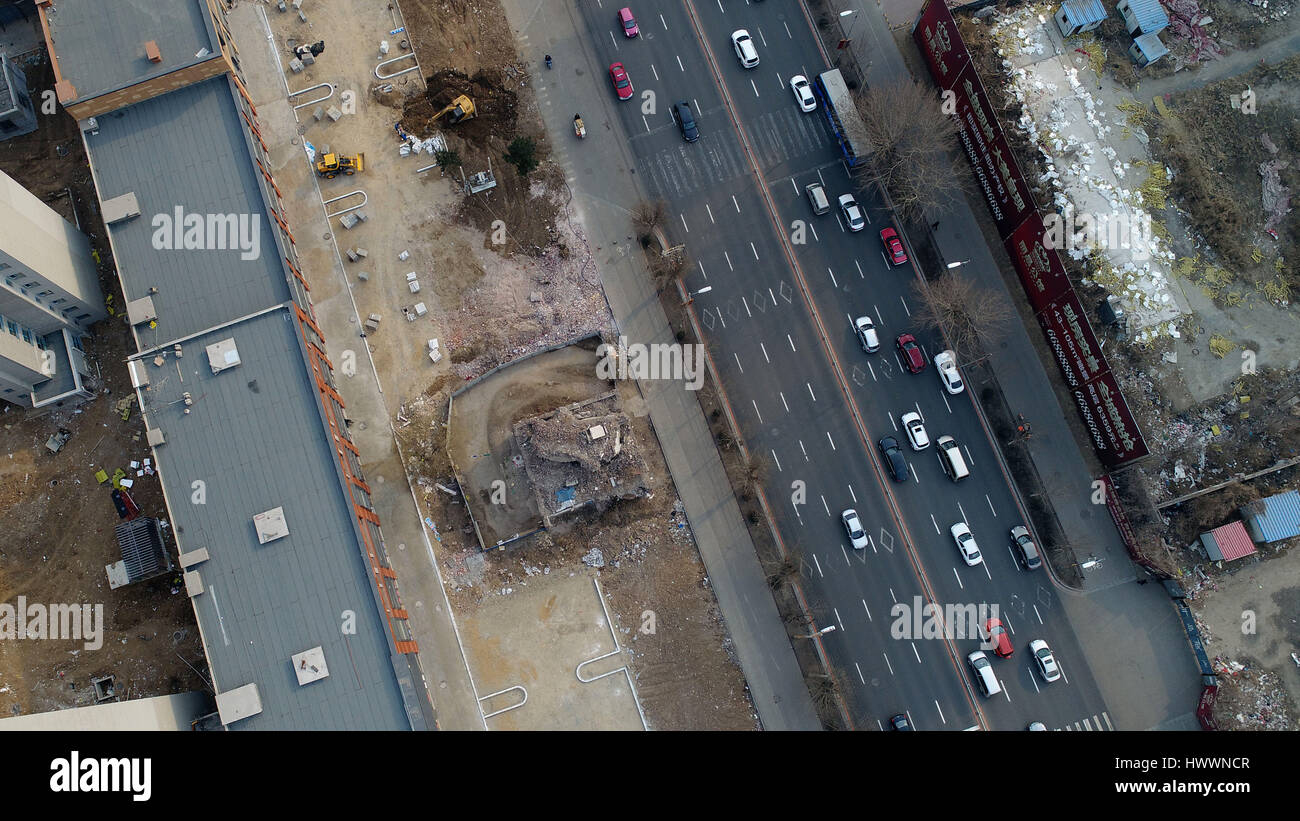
x: 331, y: 165
x: 461, y: 108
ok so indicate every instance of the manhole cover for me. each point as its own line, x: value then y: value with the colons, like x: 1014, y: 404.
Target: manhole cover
x: 325, y: 235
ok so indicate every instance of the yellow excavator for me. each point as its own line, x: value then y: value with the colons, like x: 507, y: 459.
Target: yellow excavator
x: 461, y: 108
x: 331, y: 165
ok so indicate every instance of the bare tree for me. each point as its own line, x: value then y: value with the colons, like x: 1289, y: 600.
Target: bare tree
x: 784, y: 574
x: 666, y: 268
x: 648, y: 215
x: 756, y: 470
x: 972, y: 317
x: 910, y: 135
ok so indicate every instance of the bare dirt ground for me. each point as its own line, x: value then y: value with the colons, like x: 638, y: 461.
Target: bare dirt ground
x: 685, y: 673
x: 58, y: 522
x: 1249, y: 623
x: 496, y: 298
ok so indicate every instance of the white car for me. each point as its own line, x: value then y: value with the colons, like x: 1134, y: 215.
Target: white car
x: 945, y: 362
x: 857, y: 536
x: 803, y: 93
x: 866, y: 330
x: 914, y: 425
x: 744, y: 46
x: 852, y: 213
x: 970, y: 552
x: 1044, y: 660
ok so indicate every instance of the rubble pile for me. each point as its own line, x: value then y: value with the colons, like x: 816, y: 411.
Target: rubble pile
x: 1250, y: 698
x: 1095, y: 190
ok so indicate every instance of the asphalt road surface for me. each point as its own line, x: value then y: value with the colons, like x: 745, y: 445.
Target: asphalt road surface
x: 785, y: 285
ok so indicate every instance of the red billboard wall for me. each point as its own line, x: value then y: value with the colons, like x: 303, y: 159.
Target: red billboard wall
x: 1115, y: 434
x: 1040, y: 270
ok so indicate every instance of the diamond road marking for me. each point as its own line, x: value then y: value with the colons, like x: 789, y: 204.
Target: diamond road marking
x: 760, y: 301
x: 786, y: 292
x: 858, y: 376
x: 732, y: 310
x: 707, y: 318
x: 887, y: 540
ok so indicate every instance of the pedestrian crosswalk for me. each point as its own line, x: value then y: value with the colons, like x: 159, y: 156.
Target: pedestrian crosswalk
x: 1093, y: 723
x: 684, y: 169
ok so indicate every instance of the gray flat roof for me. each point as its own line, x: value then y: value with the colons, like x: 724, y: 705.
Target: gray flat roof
x: 186, y: 150
x: 100, y: 43
x: 255, y: 438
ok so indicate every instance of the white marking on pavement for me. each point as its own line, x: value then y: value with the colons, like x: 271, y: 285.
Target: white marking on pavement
x: 915, y: 652
x: 810, y: 391
x: 656, y: 72
x: 783, y: 402
x: 792, y: 347
x: 828, y: 509
x: 727, y: 257
x: 819, y: 566
x: 854, y: 495
x: 940, y: 709
x: 756, y: 410
x: 958, y: 575
x: 683, y: 216
x: 860, y: 274
x: 914, y: 476
x: 936, y: 525
x: 863, y: 680
x: 832, y: 273
x: 990, y: 501
x: 746, y: 304
x: 868, y: 609
x: 969, y: 458
x: 738, y: 365
x: 887, y: 664
x: 1039, y: 615
x: 837, y: 615
x: 710, y: 212
x: 805, y: 451
x: 778, y: 461
x: 963, y: 513
x: 764, y: 349
x: 735, y: 203
x: 832, y: 441
x: 905, y: 308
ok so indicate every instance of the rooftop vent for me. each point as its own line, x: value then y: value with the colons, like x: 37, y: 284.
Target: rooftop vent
x: 241, y: 702
x: 222, y: 355
x: 270, y: 525
x: 121, y: 208
x: 596, y: 432
x: 139, y: 376
x: 152, y: 51
x: 141, y: 310
x: 309, y: 666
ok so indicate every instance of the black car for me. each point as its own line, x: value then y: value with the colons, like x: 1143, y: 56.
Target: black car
x: 900, y: 722
x: 893, y: 457
x: 686, y: 121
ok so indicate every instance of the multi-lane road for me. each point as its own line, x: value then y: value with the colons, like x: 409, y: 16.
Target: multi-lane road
x: 783, y: 287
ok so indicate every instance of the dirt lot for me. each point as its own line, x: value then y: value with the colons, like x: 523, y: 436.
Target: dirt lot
x: 1248, y: 621
x: 58, y: 522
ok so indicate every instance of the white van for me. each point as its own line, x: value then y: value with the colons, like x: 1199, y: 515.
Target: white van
x: 817, y: 198
x: 951, y: 459
x: 985, y: 679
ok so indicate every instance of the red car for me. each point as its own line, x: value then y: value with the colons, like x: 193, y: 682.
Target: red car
x: 893, y: 246
x: 622, y: 83
x: 998, y: 636
x: 627, y: 22
x: 911, y: 353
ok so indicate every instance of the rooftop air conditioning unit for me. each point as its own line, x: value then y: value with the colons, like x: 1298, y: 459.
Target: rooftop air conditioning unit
x: 223, y: 355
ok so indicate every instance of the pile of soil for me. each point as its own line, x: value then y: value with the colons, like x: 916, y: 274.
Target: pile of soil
x: 496, y: 106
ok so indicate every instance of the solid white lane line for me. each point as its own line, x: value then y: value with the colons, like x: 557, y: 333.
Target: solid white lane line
x: 756, y: 410
x: 832, y: 441
x: 792, y: 347
x: 810, y: 391
x: 990, y: 501
x: 778, y: 461
x: 905, y: 308
x: 819, y: 566
x: 766, y: 358
x: 783, y: 402
x: 805, y: 451
x: 868, y: 609
x: 745, y: 302
x: 738, y: 365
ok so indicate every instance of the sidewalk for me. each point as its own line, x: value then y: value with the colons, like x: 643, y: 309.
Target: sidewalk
x: 605, y: 191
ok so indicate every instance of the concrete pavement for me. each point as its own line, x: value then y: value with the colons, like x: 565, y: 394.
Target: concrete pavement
x: 602, y: 174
